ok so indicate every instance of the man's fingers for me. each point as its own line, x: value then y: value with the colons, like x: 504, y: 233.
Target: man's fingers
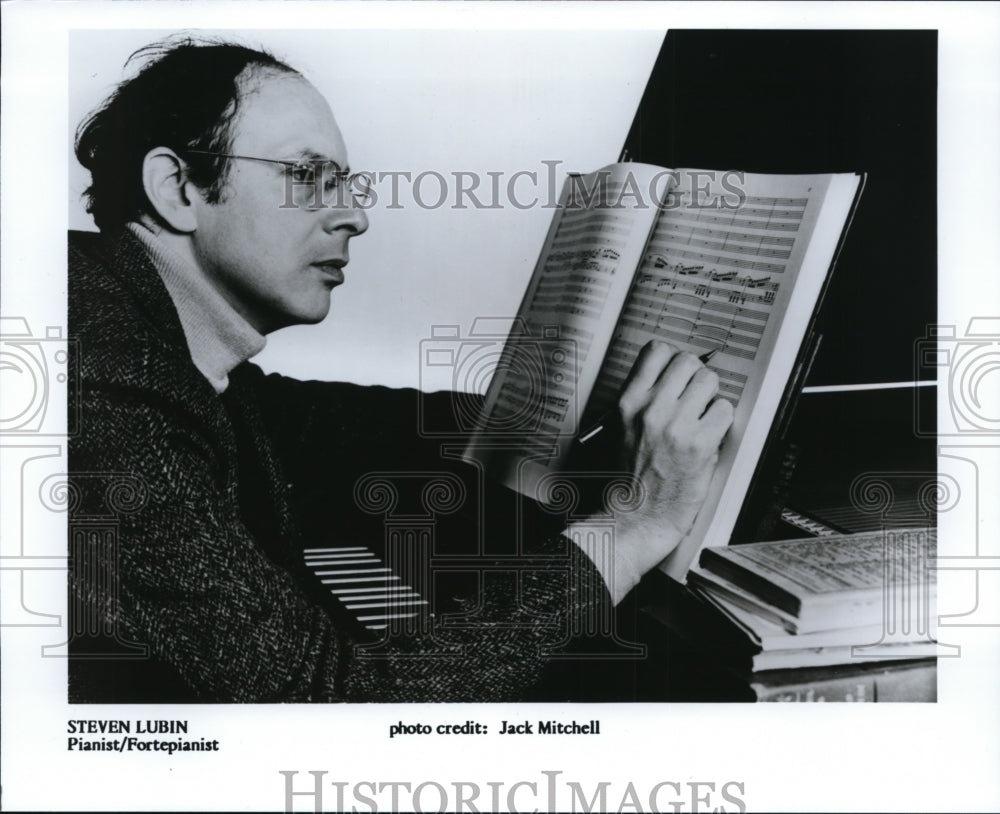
x: 649, y: 365
x: 697, y: 396
x: 683, y: 371
x: 718, y: 418
x: 669, y: 387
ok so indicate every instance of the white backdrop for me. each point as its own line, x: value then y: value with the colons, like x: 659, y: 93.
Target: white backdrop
x: 426, y: 101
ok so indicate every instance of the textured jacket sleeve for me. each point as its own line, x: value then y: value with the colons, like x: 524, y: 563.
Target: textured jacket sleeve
x: 195, y: 585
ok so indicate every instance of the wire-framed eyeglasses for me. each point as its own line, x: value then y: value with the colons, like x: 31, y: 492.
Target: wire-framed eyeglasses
x: 313, y: 183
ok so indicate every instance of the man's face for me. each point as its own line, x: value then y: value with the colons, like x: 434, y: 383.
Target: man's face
x: 277, y: 265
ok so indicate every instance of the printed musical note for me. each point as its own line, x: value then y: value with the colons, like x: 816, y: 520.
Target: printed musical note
x: 709, y: 280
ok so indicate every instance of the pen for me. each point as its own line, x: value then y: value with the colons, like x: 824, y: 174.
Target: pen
x: 705, y: 358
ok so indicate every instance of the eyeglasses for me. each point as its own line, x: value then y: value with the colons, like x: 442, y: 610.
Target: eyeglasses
x: 322, y: 177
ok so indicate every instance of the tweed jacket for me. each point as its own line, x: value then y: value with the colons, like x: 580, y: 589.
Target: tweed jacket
x: 191, y: 588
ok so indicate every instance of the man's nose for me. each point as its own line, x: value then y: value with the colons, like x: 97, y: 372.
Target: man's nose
x: 352, y: 217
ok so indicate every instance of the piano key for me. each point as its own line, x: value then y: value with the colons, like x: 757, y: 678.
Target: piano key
x: 380, y: 597
x: 334, y: 567
x: 358, y: 579
x: 376, y: 616
x: 369, y: 589
x: 399, y: 604
x: 308, y: 551
x: 321, y: 563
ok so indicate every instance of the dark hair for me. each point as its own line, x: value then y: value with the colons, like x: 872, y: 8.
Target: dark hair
x: 185, y: 98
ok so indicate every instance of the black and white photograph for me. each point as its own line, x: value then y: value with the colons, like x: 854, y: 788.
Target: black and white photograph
x: 395, y: 387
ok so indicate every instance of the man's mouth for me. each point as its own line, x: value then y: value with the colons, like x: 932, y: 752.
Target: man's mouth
x: 332, y: 269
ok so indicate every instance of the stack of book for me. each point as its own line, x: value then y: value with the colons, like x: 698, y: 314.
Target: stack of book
x: 844, y: 617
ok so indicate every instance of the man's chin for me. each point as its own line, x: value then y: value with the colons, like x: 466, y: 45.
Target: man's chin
x: 303, y: 315
x: 318, y: 314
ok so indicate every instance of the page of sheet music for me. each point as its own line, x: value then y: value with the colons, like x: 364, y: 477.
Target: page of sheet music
x: 740, y: 280
x: 551, y: 359
x: 708, y: 281
x: 834, y: 565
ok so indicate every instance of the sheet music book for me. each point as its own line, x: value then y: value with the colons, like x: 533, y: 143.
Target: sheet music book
x: 883, y: 578
x: 725, y: 261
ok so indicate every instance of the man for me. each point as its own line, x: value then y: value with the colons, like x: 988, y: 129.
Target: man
x: 202, y: 252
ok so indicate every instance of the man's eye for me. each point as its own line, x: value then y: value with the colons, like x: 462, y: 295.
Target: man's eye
x: 303, y: 174
x: 332, y: 180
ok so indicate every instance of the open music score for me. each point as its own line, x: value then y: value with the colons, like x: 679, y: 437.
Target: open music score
x: 567, y: 311
x: 700, y: 269
x: 708, y: 281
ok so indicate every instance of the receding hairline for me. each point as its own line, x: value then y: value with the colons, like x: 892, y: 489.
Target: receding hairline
x: 250, y: 82
x: 251, y: 79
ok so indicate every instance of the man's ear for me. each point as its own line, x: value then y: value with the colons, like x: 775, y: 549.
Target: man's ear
x: 168, y: 190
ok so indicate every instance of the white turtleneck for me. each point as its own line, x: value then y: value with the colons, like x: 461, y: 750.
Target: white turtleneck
x: 218, y: 336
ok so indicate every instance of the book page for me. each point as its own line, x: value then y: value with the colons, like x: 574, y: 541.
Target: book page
x: 550, y: 361
x: 738, y: 273
x: 832, y: 567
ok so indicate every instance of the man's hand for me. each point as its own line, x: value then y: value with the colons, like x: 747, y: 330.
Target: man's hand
x: 673, y: 426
